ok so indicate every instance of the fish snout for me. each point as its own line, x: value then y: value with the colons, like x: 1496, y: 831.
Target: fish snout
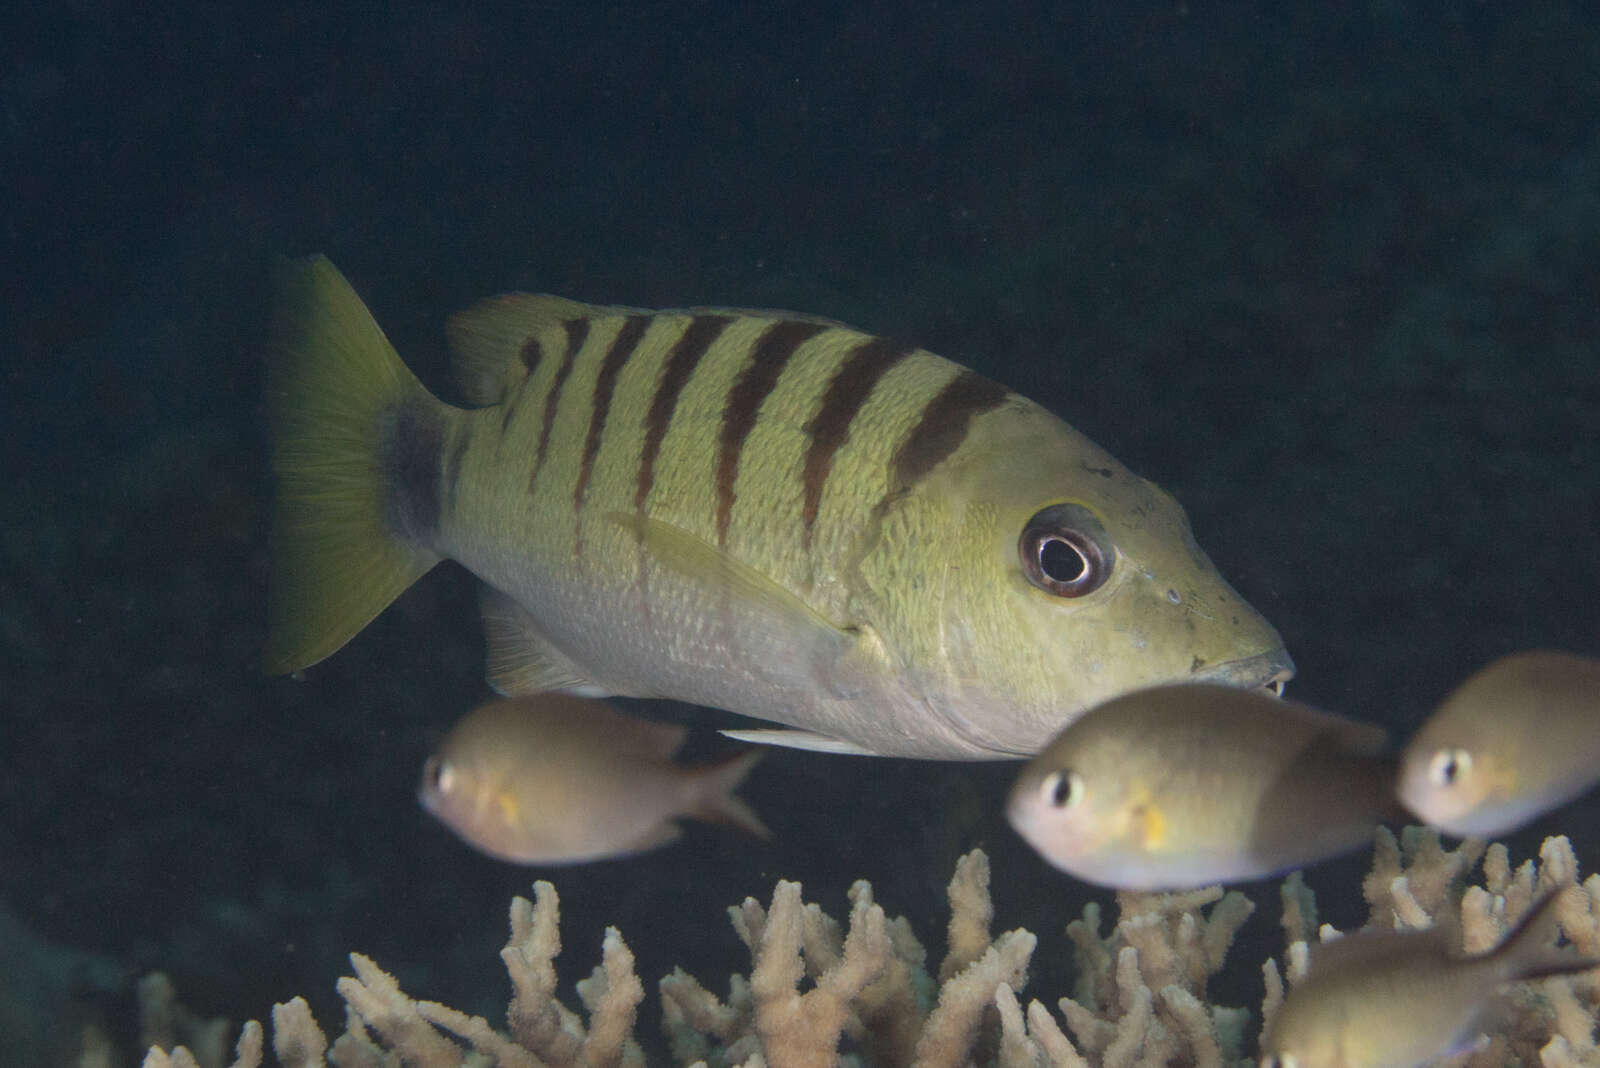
x: 1270, y: 670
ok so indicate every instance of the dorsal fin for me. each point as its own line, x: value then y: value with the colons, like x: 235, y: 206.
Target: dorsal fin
x: 1356, y: 949
x: 490, y: 339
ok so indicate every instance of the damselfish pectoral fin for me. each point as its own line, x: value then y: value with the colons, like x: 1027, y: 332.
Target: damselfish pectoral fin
x: 521, y: 660
x: 771, y: 623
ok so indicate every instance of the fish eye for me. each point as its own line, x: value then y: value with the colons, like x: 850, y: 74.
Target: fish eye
x: 437, y: 776
x: 1449, y: 766
x: 1065, y: 551
x: 1062, y: 789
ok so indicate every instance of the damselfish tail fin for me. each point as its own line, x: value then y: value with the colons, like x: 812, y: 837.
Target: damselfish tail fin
x: 351, y: 425
x: 1528, y: 951
x: 717, y: 803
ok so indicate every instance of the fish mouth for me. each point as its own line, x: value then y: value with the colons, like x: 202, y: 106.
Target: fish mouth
x: 1268, y: 671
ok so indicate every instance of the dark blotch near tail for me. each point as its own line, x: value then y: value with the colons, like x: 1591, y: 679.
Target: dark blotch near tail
x: 411, y: 460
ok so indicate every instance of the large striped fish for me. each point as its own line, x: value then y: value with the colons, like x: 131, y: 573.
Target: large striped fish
x: 762, y: 512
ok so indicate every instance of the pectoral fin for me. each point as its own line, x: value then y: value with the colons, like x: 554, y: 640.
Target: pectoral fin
x: 816, y: 743
x: 772, y: 622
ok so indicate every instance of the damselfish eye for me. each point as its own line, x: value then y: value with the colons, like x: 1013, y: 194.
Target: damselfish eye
x: 1065, y: 551
x: 1062, y: 789
x: 1449, y: 766
x: 437, y: 776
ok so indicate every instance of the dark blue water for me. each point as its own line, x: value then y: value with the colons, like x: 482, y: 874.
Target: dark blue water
x: 1333, y: 280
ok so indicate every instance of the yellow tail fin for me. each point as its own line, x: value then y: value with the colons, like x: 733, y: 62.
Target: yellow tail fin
x: 345, y: 411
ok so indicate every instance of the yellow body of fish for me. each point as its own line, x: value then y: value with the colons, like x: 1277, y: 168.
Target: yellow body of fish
x: 556, y: 779
x: 756, y: 511
x: 1190, y: 784
x: 1517, y: 739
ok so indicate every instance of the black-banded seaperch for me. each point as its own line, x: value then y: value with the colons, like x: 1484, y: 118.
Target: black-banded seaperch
x: 763, y: 512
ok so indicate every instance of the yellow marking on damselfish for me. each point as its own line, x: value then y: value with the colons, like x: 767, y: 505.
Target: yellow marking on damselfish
x: 510, y: 811
x: 1502, y: 776
x: 1152, y: 826
x: 1155, y: 828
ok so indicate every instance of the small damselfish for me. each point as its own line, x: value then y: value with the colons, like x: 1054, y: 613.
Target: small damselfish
x: 763, y: 512
x: 555, y: 779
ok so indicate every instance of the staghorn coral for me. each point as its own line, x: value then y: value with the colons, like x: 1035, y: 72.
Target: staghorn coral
x: 821, y: 993
x: 1415, y: 883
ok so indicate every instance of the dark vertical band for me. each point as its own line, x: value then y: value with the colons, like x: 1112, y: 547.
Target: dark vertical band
x: 531, y: 354
x: 943, y: 427
x: 830, y: 427
x: 770, y: 353
x: 605, y: 383
x: 700, y: 335
x: 577, y: 334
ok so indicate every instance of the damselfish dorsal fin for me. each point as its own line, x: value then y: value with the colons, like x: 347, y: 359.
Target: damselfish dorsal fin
x: 1360, y: 949
x: 1360, y: 739
x: 521, y: 661
x: 494, y: 340
x: 1348, y: 735
x: 1529, y: 950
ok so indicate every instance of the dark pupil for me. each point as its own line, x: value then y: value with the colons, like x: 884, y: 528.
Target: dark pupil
x: 1063, y: 791
x: 1060, y: 561
x: 1450, y: 771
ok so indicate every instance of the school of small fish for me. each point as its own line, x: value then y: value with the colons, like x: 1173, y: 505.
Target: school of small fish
x: 885, y: 554
x: 1186, y: 785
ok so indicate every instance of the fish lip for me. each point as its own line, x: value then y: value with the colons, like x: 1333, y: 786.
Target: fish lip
x: 1270, y: 671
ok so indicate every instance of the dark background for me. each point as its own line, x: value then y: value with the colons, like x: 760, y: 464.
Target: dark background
x: 1333, y: 279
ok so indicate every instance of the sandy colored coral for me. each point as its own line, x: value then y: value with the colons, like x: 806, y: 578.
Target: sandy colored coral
x: 1415, y: 883
x: 821, y: 993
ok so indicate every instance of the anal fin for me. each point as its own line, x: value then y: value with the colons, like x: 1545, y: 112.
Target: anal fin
x: 521, y: 660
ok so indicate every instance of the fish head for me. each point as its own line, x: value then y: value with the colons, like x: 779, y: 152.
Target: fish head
x: 1107, y: 829
x: 1055, y: 579
x: 1297, y: 1043
x: 473, y: 802
x: 1506, y: 746
x: 1462, y: 790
